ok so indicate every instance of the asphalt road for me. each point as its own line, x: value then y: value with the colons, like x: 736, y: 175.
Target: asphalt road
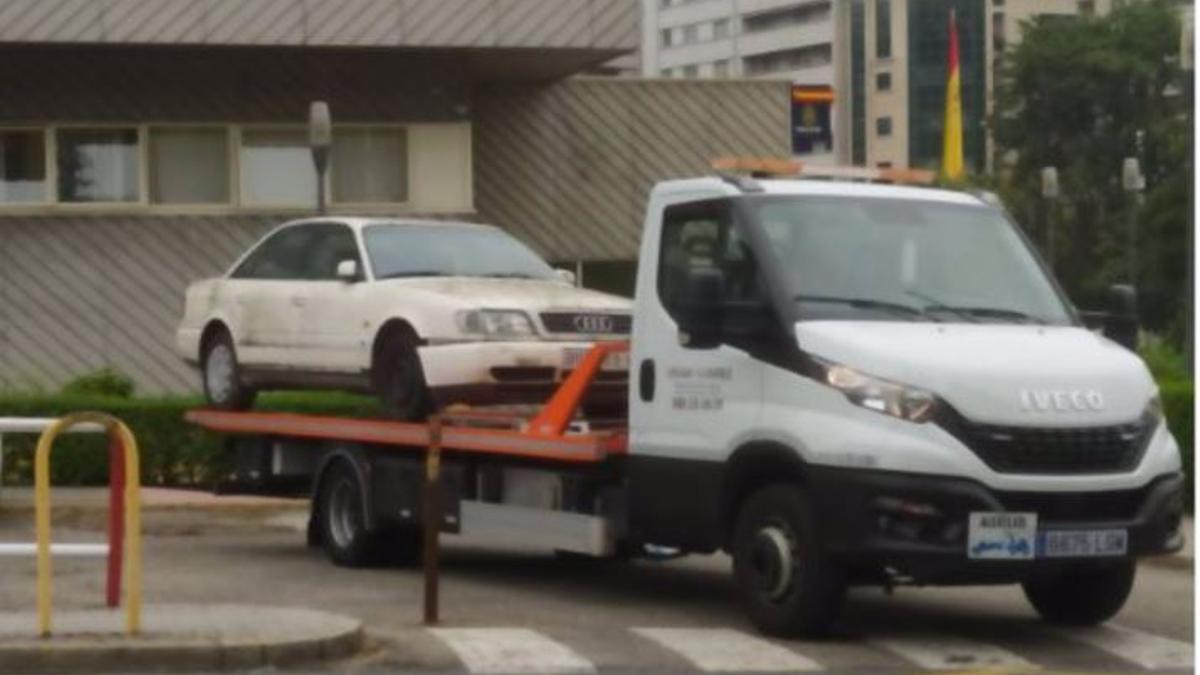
x: 506, y: 609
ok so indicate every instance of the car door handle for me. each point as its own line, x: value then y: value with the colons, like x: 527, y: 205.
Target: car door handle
x: 646, y: 380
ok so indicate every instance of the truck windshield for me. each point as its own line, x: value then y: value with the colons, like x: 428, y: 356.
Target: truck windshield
x: 904, y: 260
x: 399, y: 250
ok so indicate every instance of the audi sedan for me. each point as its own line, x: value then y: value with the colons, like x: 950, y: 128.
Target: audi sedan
x: 423, y: 313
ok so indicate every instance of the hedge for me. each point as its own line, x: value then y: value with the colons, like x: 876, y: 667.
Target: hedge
x: 173, y: 452
x: 1177, y: 405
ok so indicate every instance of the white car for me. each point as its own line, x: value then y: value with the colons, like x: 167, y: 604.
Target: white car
x: 423, y: 313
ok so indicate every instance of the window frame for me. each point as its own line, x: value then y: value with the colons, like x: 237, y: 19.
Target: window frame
x: 232, y: 166
x: 408, y: 167
x: 143, y: 179
x: 50, y: 194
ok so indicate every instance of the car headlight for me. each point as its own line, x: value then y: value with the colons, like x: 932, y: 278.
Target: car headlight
x: 890, y: 398
x: 496, y: 323
x: 1154, y: 408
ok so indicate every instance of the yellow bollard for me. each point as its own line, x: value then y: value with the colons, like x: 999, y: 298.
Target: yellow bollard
x: 133, y: 520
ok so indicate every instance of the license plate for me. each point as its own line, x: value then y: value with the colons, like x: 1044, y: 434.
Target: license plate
x: 1001, y: 536
x: 572, y: 356
x: 1082, y: 543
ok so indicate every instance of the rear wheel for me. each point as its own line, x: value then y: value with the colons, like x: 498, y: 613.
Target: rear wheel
x: 223, y: 386
x: 399, y: 377
x: 1082, y: 595
x: 788, y: 586
x: 340, y: 526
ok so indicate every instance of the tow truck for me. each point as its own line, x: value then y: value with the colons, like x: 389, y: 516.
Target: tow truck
x: 838, y: 376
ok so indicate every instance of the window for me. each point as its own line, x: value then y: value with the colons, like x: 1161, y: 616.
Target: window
x: 999, y: 39
x: 690, y: 34
x: 788, y: 16
x: 788, y: 59
x: 1087, y: 7
x: 280, y: 256
x: 691, y: 71
x: 22, y: 166
x: 98, y: 165
x: 720, y: 29
x: 277, y: 168
x: 883, y: 82
x: 398, y: 251
x: 883, y: 29
x: 721, y: 68
x: 370, y: 165
x: 666, y: 37
x: 189, y: 165
x: 329, y: 244
x: 883, y: 126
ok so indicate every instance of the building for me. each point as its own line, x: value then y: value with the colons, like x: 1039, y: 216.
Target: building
x: 146, y: 143
x: 895, y: 71
x: 792, y: 39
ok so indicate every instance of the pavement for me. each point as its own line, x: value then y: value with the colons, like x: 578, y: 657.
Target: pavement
x: 507, y: 608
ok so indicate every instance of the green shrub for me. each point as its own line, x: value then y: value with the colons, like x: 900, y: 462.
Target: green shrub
x: 1166, y: 362
x: 103, y: 382
x: 173, y: 452
x: 1177, y: 400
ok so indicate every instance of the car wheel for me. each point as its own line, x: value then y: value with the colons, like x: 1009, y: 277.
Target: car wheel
x: 400, y: 378
x: 789, y: 587
x: 1082, y: 595
x: 223, y: 386
x: 344, y: 533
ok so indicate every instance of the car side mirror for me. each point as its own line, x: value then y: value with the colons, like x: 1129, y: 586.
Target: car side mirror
x: 1121, y: 321
x: 566, y: 275
x: 701, y: 308
x: 347, y: 270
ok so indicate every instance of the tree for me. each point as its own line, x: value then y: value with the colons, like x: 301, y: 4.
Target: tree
x: 1074, y: 94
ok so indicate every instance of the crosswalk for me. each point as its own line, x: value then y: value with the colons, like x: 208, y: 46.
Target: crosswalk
x: 726, y: 650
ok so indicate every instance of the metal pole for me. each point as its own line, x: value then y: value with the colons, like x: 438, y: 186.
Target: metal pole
x: 432, y: 518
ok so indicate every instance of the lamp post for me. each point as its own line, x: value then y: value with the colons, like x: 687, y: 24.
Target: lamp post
x: 1050, y: 194
x: 1133, y: 182
x: 320, y: 135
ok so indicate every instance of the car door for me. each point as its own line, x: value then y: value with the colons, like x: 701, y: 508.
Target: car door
x: 331, y: 333
x: 257, y: 298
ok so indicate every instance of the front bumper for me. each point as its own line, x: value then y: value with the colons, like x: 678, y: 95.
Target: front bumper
x: 871, y: 535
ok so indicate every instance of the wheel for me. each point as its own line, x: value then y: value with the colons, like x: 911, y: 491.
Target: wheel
x: 1082, y: 595
x: 788, y: 586
x: 399, y: 378
x: 223, y: 386
x: 342, y: 524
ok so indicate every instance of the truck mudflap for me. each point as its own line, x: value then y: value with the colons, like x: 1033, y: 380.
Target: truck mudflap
x: 918, y: 528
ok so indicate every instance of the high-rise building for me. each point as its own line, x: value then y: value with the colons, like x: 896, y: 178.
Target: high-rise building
x: 790, y: 39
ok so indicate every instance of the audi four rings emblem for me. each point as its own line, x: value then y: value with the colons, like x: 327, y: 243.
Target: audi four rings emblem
x: 593, y: 323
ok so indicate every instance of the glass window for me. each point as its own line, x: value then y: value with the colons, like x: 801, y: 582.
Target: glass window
x: 883, y: 126
x: 721, y: 68
x: 22, y: 166
x: 277, y: 168
x: 281, y: 255
x: 691, y: 71
x: 883, y: 82
x: 189, y: 165
x: 98, y: 165
x: 701, y: 235
x: 370, y: 164
x: 721, y: 29
x: 666, y: 37
x: 690, y: 34
x: 450, y: 250
x: 330, y: 244
x: 883, y: 29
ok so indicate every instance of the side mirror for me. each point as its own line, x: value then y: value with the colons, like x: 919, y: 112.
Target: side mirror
x: 566, y: 275
x: 1121, y: 322
x: 347, y: 270
x: 701, y: 309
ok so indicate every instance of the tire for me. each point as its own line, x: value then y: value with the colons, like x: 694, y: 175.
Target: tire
x: 400, y: 379
x: 342, y: 523
x: 222, y: 375
x: 1085, y: 594
x: 774, y: 526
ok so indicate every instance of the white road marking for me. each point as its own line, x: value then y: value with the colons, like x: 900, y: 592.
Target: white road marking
x: 723, y: 649
x: 949, y: 653
x: 1146, y: 650
x: 511, y: 650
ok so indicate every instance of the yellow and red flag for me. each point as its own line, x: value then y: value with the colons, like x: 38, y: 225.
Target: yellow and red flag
x: 952, y: 138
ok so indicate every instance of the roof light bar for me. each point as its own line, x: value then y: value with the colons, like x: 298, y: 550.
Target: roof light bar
x: 766, y: 167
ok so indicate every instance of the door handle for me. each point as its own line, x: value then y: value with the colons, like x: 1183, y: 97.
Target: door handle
x: 646, y: 380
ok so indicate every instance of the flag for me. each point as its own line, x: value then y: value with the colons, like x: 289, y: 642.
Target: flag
x: 952, y: 139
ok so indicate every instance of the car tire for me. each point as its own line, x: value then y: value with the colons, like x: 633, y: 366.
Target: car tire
x: 788, y: 586
x: 342, y: 522
x: 1084, y: 594
x: 221, y: 373
x: 400, y: 379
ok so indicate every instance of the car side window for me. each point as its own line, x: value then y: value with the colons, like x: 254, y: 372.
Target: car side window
x: 331, y: 243
x: 280, y: 257
x: 702, y: 235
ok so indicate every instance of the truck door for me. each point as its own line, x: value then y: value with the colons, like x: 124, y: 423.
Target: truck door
x: 690, y: 403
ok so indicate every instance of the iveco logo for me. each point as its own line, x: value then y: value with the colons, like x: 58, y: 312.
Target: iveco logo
x: 1061, y: 400
x: 593, y: 323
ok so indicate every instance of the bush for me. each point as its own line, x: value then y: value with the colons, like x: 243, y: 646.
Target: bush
x: 1165, y: 361
x: 173, y: 452
x: 1177, y: 399
x: 103, y: 382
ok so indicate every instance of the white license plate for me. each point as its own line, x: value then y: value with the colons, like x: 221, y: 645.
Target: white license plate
x: 1001, y: 536
x: 572, y: 356
x: 1082, y: 543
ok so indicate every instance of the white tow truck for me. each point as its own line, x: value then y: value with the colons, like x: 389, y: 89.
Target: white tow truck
x: 837, y: 382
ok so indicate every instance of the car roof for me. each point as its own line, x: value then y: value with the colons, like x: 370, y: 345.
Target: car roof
x: 359, y: 222
x: 819, y: 187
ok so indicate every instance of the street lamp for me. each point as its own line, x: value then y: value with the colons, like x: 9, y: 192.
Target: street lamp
x: 1133, y: 182
x: 320, y: 135
x: 1050, y: 194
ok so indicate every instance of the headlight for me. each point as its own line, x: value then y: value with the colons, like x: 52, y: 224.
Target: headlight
x: 496, y: 323
x: 872, y: 393
x: 1154, y: 409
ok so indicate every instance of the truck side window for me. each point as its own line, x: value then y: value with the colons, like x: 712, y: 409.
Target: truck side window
x: 698, y: 235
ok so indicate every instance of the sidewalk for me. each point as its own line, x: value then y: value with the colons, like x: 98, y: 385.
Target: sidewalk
x: 20, y: 498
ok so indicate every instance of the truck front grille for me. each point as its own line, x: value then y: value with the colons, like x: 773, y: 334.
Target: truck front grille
x: 1077, y: 506
x: 587, y: 323
x: 1107, y: 449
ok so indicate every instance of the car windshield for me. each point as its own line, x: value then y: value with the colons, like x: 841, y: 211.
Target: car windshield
x: 442, y: 251
x: 905, y: 260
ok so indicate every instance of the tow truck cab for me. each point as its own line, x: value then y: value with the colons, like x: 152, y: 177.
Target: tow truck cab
x: 844, y: 382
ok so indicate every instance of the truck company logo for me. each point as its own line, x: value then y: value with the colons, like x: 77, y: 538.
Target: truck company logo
x: 1061, y: 400
x: 593, y: 323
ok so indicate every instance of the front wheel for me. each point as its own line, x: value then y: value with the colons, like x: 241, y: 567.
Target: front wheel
x: 1085, y: 594
x: 223, y: 386
x: 789, y: 587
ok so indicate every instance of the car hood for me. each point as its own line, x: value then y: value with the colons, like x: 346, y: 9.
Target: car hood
x: 526, y: 294
x: 1019, y: 375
